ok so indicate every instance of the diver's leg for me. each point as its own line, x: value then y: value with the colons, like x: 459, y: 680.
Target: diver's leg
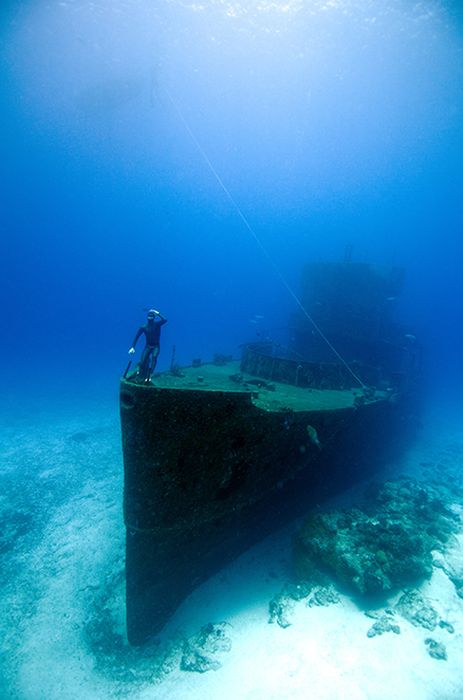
x: 152, y: 362
x: 148, y: 367
x: 144, y: 370
x: 154, y: 359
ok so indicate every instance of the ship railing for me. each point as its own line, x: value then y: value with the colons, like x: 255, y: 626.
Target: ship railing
x: 261, y: 361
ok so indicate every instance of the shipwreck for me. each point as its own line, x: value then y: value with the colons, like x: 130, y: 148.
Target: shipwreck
x: 218, y: 455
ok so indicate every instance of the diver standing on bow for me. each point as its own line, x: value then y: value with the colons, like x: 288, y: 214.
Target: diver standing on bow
x: 152, y: 332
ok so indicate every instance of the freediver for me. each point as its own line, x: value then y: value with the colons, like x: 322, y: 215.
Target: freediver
x: 152, y: 332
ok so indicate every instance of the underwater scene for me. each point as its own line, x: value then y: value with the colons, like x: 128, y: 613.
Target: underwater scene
x: 231, y: 437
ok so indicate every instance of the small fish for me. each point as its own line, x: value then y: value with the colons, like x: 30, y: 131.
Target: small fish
x: 410, y: 337
x: 313, y: 436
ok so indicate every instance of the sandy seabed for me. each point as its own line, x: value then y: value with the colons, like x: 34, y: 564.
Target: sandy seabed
x: 62, y: 589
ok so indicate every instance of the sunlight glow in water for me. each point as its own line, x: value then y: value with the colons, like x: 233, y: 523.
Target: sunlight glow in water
x: 324, y: 118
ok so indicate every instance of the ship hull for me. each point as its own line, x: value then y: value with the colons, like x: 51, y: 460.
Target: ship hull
x: 208, y: 473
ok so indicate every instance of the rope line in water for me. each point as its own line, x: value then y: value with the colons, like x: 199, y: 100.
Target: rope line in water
x: 264, y: 250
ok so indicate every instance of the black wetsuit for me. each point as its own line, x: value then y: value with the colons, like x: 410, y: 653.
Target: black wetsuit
x: 152, y: 332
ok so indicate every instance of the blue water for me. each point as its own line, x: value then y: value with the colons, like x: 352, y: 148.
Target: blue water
x: 328, y: 123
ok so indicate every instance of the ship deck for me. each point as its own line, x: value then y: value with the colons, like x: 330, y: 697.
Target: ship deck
x: 267, y: 395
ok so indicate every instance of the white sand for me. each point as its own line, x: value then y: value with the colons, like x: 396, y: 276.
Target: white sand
x: 325, y: 654
x: 63, y: 582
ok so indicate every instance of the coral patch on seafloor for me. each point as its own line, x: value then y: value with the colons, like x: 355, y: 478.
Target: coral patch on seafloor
x: 436, y: 650
x: 386, y: 544
x: 200, y: 653
x: 415, y: 608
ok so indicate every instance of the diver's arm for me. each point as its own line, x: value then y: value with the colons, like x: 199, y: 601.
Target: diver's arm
x: 161, y: 318
x: 138, y: 334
